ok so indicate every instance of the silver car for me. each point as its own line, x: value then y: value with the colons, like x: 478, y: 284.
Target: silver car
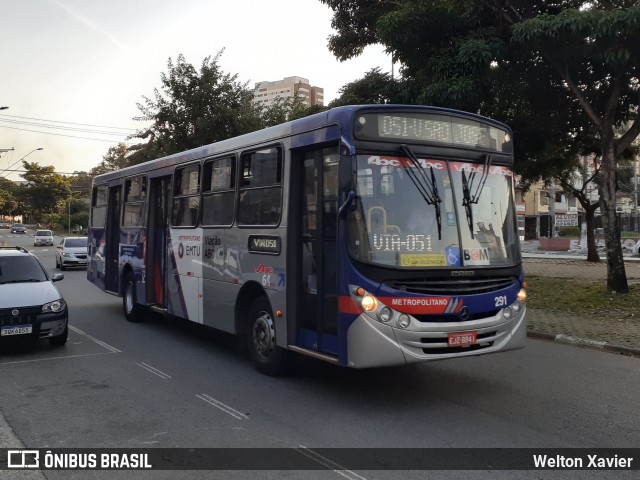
x: 43, y: 237
x: 71, y: 252
x: 31, y: 307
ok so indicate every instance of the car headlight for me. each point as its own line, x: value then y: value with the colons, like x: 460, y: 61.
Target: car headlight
x: 66, y: 255
x: 54, y: 307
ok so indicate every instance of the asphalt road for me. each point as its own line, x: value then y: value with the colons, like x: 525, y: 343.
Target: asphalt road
x: 164, y: 383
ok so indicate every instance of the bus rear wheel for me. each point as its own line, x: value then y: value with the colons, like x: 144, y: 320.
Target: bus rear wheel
x: 132, y: 311
x: 266, y: 356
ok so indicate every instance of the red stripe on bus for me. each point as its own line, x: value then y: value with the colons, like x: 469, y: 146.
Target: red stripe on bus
x: 418, y: 305
x: 347, y: 305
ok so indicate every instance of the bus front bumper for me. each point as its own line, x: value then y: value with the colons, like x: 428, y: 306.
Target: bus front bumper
x: 374, y: 344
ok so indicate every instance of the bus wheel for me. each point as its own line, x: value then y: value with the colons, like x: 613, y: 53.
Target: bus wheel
x: 266, y: 356
x: 132, y: 310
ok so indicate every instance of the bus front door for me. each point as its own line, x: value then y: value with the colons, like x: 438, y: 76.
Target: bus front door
x: 316, y: 260
x: 112, y: 247
x: 156, y: 246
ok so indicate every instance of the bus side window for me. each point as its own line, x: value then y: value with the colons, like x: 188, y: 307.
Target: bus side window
x: 218, y: 192
x: 260, y: 199
x: 186, y: 200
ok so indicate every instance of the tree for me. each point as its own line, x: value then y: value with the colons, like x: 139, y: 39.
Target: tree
x: 375, y: 87
x: 114, y: 159
x: 44, y: 190
x: 194, y: 108
x: 8, y: 202
x: 462, y: 52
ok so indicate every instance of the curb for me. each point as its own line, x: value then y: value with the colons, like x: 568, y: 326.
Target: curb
x: 585, y: 343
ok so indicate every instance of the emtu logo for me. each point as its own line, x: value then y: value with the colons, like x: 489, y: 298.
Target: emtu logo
x: 180, y: 250
x: 23, y: 459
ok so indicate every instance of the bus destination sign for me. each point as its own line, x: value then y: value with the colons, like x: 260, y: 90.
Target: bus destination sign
x: 424, y: 127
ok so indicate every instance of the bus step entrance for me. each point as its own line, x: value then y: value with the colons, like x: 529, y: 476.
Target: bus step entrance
x: 158, y: 309
x: 313, y: 353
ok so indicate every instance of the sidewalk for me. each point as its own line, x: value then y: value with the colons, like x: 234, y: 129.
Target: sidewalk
x: 609, y: 333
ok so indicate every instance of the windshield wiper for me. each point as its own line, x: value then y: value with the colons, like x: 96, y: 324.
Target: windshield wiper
x: 427, y: 187
x: 467, y: 186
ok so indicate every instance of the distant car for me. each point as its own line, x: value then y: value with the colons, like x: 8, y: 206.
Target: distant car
x: 43, y: 237
x: 71, y: 252
x: 18, y: 228
x: 31, y: 307
x: 5, y: 225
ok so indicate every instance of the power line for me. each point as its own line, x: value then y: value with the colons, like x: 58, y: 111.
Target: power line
x: 60, y: 173
x: 68, y: 123
x: 63, y: 135
x: 44, y: 125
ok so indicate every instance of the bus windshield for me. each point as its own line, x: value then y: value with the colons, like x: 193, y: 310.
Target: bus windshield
x: 412, y: 214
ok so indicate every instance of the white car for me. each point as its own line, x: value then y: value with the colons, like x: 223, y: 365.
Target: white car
x: 31, y: 307
x: 43, y: 237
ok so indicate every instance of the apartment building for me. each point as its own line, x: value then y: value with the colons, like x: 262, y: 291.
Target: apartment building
x: 265, y: 93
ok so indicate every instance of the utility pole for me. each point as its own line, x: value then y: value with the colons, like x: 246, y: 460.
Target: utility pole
x: 551, y: 189
x: 635, y: 184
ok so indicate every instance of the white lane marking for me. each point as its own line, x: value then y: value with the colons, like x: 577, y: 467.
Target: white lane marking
x: 339, y: 469
x: 53, y: 358
x: 153, y: 370
x: 225, y: 408
x: 93, y: 339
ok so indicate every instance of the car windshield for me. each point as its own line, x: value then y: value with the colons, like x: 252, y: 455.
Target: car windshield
x: 412, y: 214
x: 43, y: 233
x: 18, y: 225
x: 19, y: 269
x: 75, y: 242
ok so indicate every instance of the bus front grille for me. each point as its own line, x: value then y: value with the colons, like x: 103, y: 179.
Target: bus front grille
x: 451, y: 286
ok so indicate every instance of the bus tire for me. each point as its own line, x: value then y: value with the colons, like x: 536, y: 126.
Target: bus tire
x: 132, y: 311
x: 266, y: 356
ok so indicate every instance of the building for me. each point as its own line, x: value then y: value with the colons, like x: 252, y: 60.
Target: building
x: 265, y: 93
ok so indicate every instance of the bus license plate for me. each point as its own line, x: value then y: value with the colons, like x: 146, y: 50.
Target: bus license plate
x: 16, y: 330
x: 461, y: 339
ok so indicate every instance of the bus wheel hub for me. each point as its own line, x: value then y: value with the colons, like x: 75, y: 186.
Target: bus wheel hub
x: 264, y: 335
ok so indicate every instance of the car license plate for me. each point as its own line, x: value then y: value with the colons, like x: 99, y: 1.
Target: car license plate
x: 16, y: 330
x: 461, y: 339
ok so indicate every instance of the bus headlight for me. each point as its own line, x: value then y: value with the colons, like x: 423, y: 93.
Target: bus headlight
x: 369, y: 303
x: 507, y: 313
x: 403, y: 321
x: 522, y: 295
x: 385, y: 314
x: 515, y: 306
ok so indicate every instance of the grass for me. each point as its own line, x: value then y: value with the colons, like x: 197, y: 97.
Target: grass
x: 580, y: 297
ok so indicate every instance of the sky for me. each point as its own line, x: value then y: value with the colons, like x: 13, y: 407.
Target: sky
x: 82, y: 66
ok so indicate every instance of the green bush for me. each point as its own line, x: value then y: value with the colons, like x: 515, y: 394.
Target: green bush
x: 569, y: 231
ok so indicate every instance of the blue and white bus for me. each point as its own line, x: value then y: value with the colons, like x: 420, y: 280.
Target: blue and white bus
x: 364, y: 236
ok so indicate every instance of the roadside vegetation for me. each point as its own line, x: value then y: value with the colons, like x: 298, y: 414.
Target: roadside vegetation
x: 576, y: 297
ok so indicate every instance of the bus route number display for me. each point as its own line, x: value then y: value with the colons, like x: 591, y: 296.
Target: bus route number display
x: 445, y: 129
x: 428, y: 129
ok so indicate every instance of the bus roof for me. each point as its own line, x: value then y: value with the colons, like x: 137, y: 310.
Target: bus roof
x: 342, y: 116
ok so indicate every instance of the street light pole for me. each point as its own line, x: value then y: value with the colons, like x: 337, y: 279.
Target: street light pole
x: 19, y: 160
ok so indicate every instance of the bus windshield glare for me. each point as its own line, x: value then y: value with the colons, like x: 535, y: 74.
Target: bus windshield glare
x: 403, y: 222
